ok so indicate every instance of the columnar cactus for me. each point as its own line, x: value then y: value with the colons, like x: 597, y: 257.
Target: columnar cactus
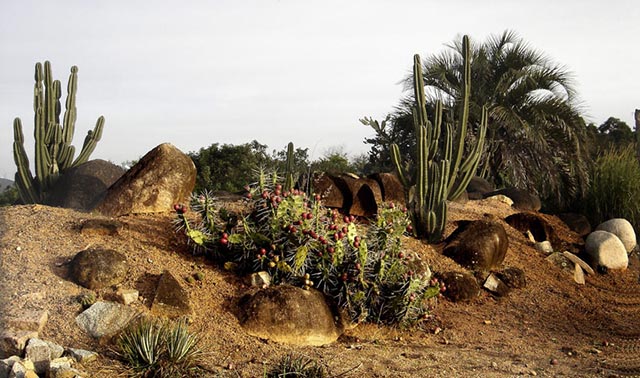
x: 288, y: 172
x: 53, y: 149
x: 439, y: 174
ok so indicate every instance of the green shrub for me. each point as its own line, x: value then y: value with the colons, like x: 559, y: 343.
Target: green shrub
x: 297, y: 367
x: 615, y: 187
x: 159, y: 349
x: 299, y: 241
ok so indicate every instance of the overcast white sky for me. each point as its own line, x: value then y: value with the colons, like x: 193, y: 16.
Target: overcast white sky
x: 195, y: 73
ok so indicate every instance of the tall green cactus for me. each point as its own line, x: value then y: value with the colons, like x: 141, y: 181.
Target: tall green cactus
x: 288, y: 171
x: 440, y: 173
x: 53, y: 150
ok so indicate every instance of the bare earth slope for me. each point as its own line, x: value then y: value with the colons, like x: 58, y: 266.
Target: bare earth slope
x: 553, y: 327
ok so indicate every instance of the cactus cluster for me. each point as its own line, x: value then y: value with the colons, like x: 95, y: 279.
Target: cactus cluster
x: 441, y: 173
x: 53, y: 150
x: 298, y: 241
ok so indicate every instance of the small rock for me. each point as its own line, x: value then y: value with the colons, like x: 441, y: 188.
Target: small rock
x: 260, y: 279
x: 560, y: 261
x: 544, y: 247
x: 501, y: 198
x: 13, y: 342
x: 7, y: 364
x: 495, y: 285
x: 578, y: 275
x: 128, y: 296
x: 29, y: 321
x: 576, y: 260
x: 105, y: 318
x: 81, y: 355
x: 171, y: 299
x: 39, y: 351
x: 529, y: 236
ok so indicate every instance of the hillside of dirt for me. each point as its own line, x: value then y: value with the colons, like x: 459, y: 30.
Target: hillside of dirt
x: 552, y: 327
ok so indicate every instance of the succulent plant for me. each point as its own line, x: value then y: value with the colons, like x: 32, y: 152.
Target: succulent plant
x: 299, y: 241
x: 53, y: 150
x: 441, y: 173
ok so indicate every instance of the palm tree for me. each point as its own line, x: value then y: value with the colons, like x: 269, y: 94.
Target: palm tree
x: 536, y: 135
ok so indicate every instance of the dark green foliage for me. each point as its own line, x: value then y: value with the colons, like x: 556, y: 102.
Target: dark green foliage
x: 299, y: 241
x: 297, y: 367
x: 536, y: 135
x: 612, y: 134
x: 53, y: 150
x: 615, y: 187
x: 157, y: 349
x: 9, y: 196
x: 228, y: 167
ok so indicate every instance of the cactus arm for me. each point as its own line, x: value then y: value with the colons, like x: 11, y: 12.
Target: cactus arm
x: 23, y: 177
x: 395, y: 157
x: 90, y: 142
x: 288, y: 173
x: 67, y: 151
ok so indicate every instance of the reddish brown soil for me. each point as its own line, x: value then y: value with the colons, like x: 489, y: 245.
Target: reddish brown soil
x: 553, y: 327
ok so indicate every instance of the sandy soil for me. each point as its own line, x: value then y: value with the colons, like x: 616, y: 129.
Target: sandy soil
x: 553, y: 327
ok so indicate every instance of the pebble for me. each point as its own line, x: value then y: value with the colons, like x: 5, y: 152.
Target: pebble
x: 553, y: 361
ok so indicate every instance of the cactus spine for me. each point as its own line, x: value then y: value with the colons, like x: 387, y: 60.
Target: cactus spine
x: 440, y: 174
x: 288, y: 172
x: 53, y: 150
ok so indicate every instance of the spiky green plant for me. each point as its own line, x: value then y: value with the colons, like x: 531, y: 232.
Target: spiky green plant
x: 614, y: 187
x: 299, y: 241
x: 154, y: 348
x: 291, y: 366
x: 440, y: 173
x: 53, y: 150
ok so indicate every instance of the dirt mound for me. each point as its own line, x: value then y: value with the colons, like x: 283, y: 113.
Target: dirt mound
x: 551, y: 327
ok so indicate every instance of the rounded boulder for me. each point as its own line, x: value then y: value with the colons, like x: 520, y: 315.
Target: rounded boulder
x: 621, y: 228
x: 289, y: 315
x: 98, y: 268
x: 605, y: 249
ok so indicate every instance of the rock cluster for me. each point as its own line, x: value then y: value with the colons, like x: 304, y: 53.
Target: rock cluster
x: 25, y: 355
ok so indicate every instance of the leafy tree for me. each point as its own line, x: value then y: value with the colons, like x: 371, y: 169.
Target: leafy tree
x: 228, y: 167
x: 616, y: 133
x: 536, y: 135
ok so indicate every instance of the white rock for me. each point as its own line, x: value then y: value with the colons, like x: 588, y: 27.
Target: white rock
x: 501, y: 198
x: 544, y: 247
x: 605, y: 249
x: 623, y: 229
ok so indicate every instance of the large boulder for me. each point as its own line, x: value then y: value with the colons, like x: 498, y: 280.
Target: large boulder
x: 605, y: 249
x: 621, y: 228
x: 163, y: 177
x: 98, y: 268
x: 351, y: 194
x: 522, y: 199
x: 478, y: 187
x: 84, y: 186
x: 290, y: 315
x: 477, y: 245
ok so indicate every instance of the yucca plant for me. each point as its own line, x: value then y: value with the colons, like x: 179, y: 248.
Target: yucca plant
x: 154, y: 348
x: 291, y: 366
